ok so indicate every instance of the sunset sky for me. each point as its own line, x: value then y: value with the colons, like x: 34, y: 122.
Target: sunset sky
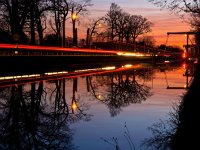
x: 164, y: 21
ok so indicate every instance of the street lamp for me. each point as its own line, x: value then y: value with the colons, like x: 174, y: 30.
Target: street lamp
x: 74, y: 17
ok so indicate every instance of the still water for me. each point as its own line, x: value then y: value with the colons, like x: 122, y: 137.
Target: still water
x: 90, y: 108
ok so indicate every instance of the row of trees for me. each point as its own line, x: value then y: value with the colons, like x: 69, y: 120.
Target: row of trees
x: 121, y: 26
x: 29, y: 19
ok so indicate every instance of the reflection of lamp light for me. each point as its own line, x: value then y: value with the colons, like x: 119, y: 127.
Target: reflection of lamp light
x: 74, y: 106
x: 184, y: 66
x: 100, y: 97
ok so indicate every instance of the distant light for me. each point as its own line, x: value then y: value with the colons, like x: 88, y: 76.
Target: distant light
x: 83, y: 70
x: 50, y: 73
x: 53, y: 73
x: 184, y: 66
x: 132, y: 54
x: 184, y: 55
x: 19, y: 77
x: 99, y: 24
x: 109, y: 68
x: 167, y: 61
x: 16, y: 52
x: 128, y: 66
x: 119, y: 53
x: 9, y: 77
x: 25, y: 76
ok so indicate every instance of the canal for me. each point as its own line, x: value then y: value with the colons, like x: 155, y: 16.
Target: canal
x: 100, y: 106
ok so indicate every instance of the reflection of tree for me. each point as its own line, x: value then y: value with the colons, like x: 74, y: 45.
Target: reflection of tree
x: 181, y: 131
x: 146, y: 74
x: 26, y: 124
x: 60, y: 105
x: 163, y: 132
x: 188, y: 129
x: 122, y: 89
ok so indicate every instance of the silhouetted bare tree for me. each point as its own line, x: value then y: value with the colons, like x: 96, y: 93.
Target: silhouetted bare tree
x: 182, y: 8
x: 36, y: 19
x: 77, y: 8
x: 14, y: 13
x: 64, y: 107
x: 113, y: 14
x: 163, y: 132
x: 122, y: 90
x: 93, y: 29
x: 56, y: 25
x: 122, y: 25
x: 60, y: 10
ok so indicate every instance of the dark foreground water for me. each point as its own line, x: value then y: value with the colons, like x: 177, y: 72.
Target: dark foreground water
x: 90, y: 108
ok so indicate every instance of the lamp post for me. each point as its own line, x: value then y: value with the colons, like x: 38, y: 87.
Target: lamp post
x: 74, y: 30
x: 16, y: 38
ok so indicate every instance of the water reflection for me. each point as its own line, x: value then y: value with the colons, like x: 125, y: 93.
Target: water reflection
x: 37, y: 117
x: 181, y: 130
x: 56, y: 97
x: 25, y: 123
x: 122, y: 89
x: 38, y: 114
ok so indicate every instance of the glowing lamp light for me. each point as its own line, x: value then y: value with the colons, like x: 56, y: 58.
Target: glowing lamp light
x: 100, y: 25
x: 74, y: 16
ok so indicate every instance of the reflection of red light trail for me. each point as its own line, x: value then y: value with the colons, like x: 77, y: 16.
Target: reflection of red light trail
x: 65, y: 76
x: 184, y: 65
x: 46, y: 48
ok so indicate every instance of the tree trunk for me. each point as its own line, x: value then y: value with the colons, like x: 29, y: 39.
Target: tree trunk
x: 32, y: 23
x: 64, y: 19
x: 40, y: 31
